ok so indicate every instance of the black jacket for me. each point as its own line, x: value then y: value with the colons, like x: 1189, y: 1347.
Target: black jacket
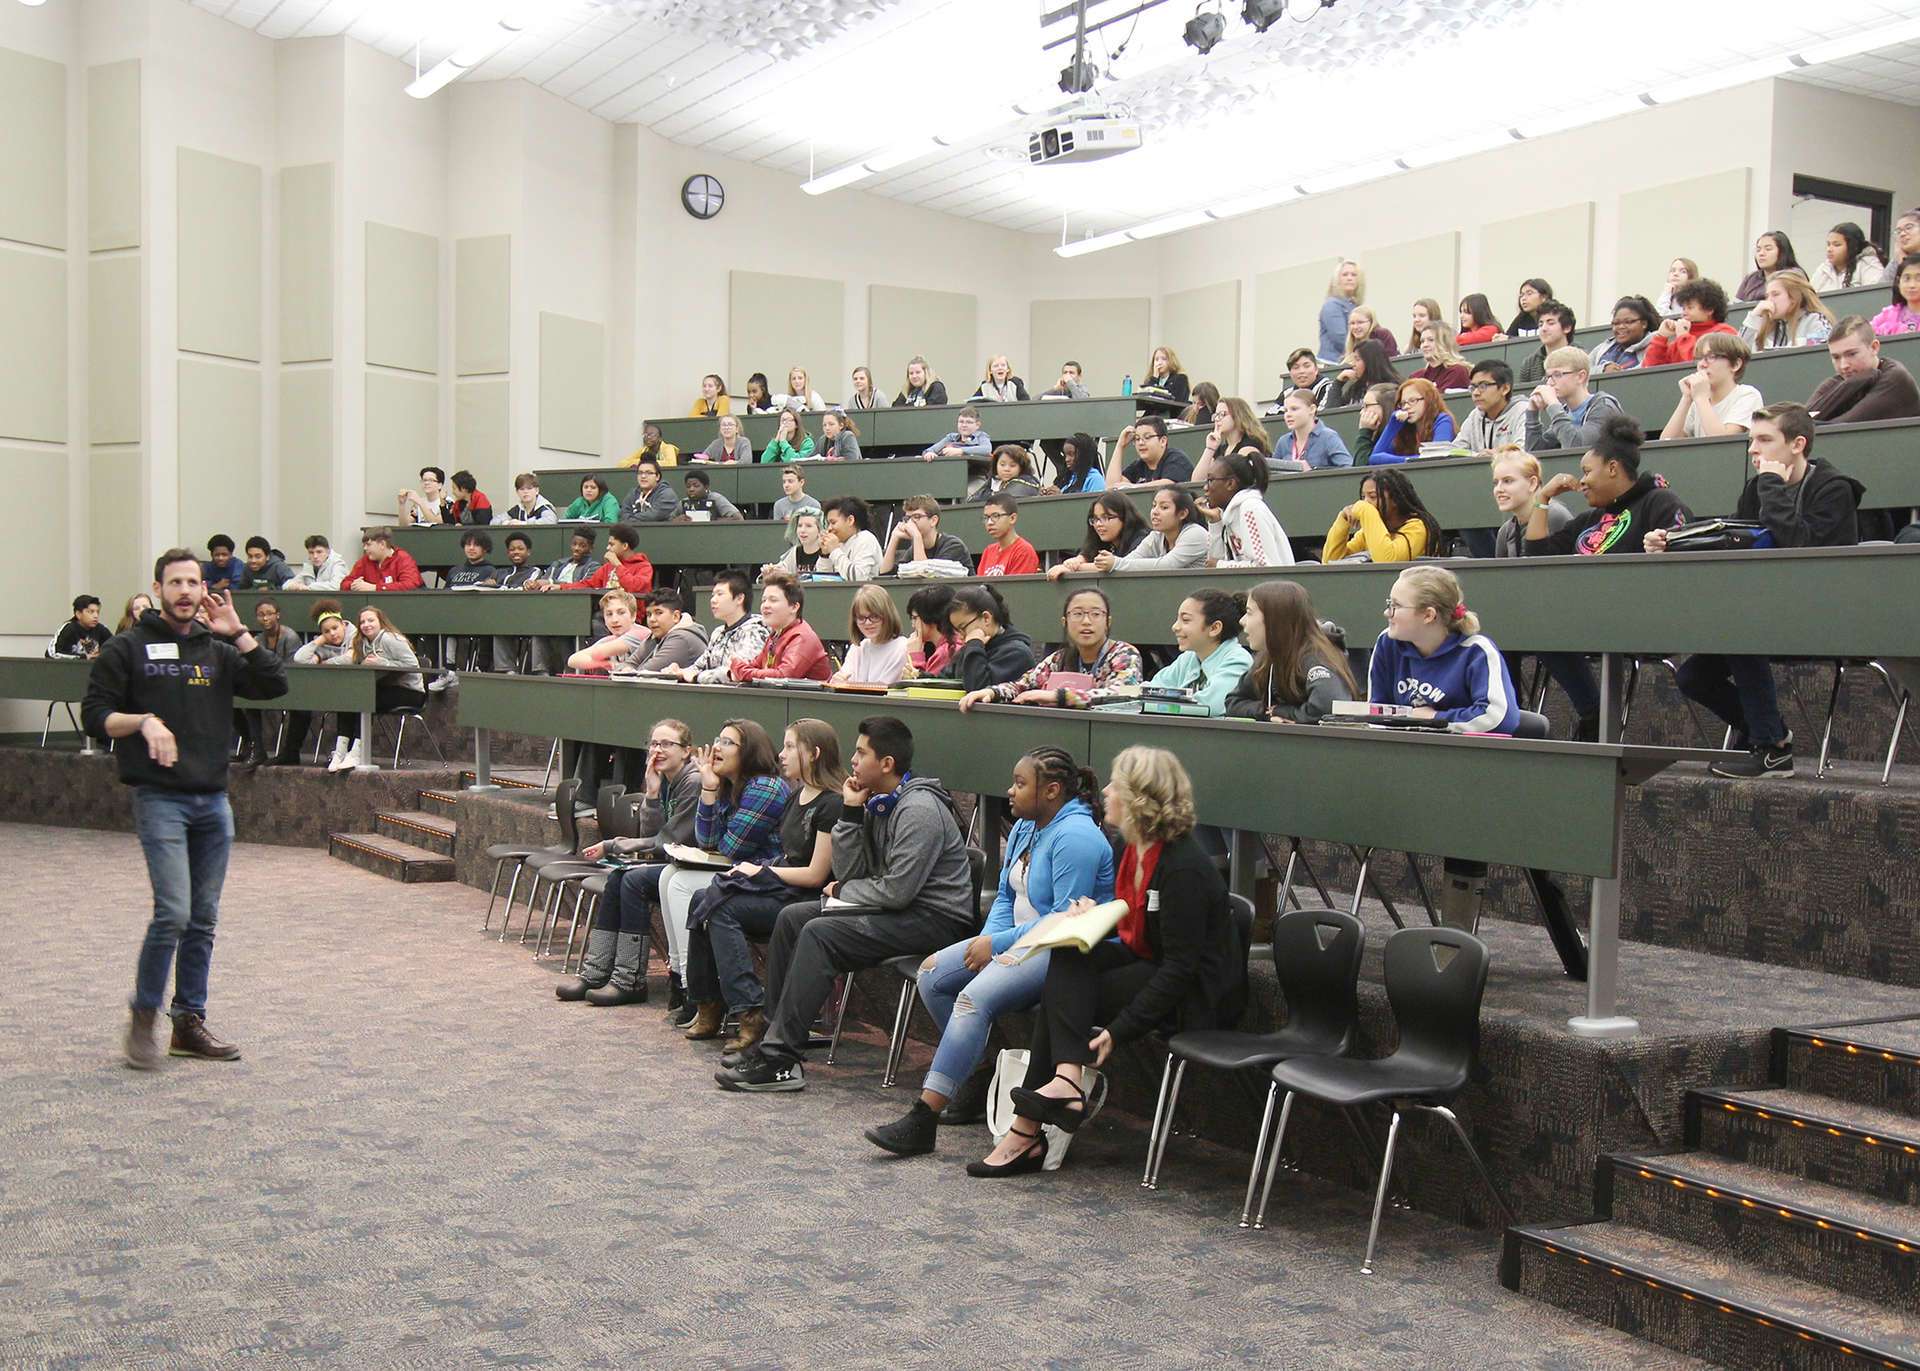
x: 190, y: 682
x: 1324, y: 685
x: 934, y: 394
x: 1201, y: 980
x: 1620, y: 527
x: 1006, y: 656
x: 1822, y: 511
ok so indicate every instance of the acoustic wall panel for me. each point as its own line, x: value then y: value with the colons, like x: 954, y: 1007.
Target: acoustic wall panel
x: 306, y: 263
x: 403, y: 435
x: 1714, y: 230
x: 33, y: 345
x: 220, y: 444
x: 941, y: 325
x: 572, y: 384
x: 776, y: 323
x: 33, y: 150
x: 480, y: 442
x: 1555, y: 245
x: 113, y: 156
x: 220, y: 254
x: 1108, y: 338
x: 306, y: 457
x: 113, y: 349
x: 403, y: 299
x: 1286, y: 315
x: 1202, y: 325
x: 36, y: 602
x: 1404, y: 272
x: 119, y: 561
x: 482, y: 287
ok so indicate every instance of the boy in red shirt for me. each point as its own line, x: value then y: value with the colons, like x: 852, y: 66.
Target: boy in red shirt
x: 382, y: 566
x: 794, y: 652
x: 625, y: 566
x: 1007, y: 553
x: 1704, y: 304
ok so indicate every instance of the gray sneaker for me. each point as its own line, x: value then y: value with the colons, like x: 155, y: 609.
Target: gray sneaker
x: 144, y: 1052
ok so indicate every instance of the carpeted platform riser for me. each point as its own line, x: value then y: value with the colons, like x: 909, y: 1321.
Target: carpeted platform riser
x: 385, y: 864
x: 443, y: 803
x: 1888, y: 1170
x: 1665, y: 1316
x: 1833, y: 1257
x: 419, y: 835
x: 1887, y: 1080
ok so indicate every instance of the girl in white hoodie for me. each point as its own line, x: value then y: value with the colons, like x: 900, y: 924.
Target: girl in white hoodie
x: 1247, y: 534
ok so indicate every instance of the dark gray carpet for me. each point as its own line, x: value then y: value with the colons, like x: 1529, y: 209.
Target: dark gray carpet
x: 424, y: 1160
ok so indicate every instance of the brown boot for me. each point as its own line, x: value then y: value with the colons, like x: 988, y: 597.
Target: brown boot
x: 143, y: 1049
x: 753, y: 1027
x: 191, y: 1039
x: 708, y: 1016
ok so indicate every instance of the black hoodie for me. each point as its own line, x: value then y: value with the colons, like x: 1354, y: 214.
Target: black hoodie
x: 1619, y: 527
x: 1823, y: 510
x: 1007, y: 656
x: 189, y: 681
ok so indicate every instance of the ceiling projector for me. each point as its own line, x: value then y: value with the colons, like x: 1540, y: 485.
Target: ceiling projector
x: 1087, y: 138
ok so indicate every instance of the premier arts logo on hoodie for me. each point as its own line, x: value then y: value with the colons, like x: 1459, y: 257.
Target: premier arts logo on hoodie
x: 192, y: 672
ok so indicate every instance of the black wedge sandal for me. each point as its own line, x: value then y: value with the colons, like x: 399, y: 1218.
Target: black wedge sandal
x: 1032, y: 1157
x: 1062, y: 1114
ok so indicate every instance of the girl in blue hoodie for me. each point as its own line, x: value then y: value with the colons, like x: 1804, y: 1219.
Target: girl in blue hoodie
x: 1057, y: 854
x: 1432, y: 655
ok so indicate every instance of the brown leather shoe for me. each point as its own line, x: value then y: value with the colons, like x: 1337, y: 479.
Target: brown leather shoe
x: 191, y: 1039
x: 708, y: 1016
x: 753, y: 1027
x: 143, y: 1049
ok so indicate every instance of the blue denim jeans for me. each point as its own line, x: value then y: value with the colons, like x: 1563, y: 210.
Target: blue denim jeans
x: 186, y: 838
x: 965, y: 1004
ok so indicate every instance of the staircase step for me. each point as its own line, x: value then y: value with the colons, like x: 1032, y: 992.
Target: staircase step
x: 1873, y: 1063
x: 389, y: 857
x: 440, y: 802
x: 1818, y: 1233
x: 501, y: 779
x: 436, y: 832
x: 1723, y: 1310
x: 1815, y: 1137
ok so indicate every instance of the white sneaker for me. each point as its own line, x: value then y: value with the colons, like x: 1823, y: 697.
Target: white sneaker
x: 445, y: 681
x: 354, y: 756
x: 340, y: 746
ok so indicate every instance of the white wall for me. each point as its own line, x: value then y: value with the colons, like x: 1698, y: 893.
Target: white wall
x: 1841, y: 137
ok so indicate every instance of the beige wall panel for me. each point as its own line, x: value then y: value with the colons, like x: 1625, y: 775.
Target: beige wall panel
x: 480, y: 437
x: 220, y: 441
x: 113, y: 156
x: 33, y: 150
x: 306, y: 263
x: 482, y: 287
x: 33, y: 346
x: 113, y: 349
x: 1706, y: 218
x: 1555, y: 245
x: 36, y: 603
x: 219, y: 256
x: 307, y: 409
x: 1202, y: 325
x: 1286, y: 315
x: 403, y: 435
x: 1404, y: 272
x: 119, y: 562
x: 403, y: 299
x: 573, y: 363
x: 776, y: 323
x: 1109, y: 338
x: 941, y: 325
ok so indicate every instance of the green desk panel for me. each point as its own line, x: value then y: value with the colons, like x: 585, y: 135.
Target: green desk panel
x: 1884, y: 457
x: 705, y: 545
x: 43, y: 678
x: 1650, y: 393
x: 308, y: 687
x: 1035, y: 420
x: 560, y: 614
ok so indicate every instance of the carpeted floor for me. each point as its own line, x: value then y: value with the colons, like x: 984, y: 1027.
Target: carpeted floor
x: 424, y: 1160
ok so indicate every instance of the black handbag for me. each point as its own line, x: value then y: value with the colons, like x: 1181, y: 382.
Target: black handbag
x: 1719, y: 535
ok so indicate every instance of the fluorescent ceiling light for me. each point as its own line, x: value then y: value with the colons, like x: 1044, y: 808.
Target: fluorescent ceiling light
x: 1580, y: 116
x: 834, y: 180
x: 899, y: 154
x: 1170, y: 223
x: 1854, y: 44
x: 1086, y: 245
x: 470, y: 54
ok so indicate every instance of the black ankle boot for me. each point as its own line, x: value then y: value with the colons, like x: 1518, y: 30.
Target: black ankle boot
x: 676, y: 992
x: 910, y: 1135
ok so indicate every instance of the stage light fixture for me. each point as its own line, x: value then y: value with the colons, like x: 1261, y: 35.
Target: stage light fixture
x: 1078, y: 77
x: 1262, y: 15
x: 1204, y: 32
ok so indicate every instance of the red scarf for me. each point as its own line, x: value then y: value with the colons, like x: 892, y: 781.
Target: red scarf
x: 1130, y: 884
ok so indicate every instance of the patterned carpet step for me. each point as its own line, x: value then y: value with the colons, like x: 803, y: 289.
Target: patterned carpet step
x: 1814, y: 1137
x: 1703, y: 1302
x: 1874, y: 1063
x: 516, y: 779
x: 434, y: 832
x: 1796, y: 1227
x: 440, y: 802
x: 389, y: 857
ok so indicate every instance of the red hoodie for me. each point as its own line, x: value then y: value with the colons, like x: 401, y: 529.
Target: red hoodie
x: 636, y: 576
x: 796, y: 655
x: 1661, y: 353
x: 398, y: 572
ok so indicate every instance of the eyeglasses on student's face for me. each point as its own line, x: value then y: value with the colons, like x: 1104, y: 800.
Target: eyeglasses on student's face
x: 1086, y: 616
x: 1477, y: 386
x: 1393, y: 605
x: 1558, y: 375
x: 663, y: 744
x: 724, y: 741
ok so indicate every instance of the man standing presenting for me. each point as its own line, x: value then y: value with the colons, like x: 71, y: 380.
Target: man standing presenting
x: 164, y: 691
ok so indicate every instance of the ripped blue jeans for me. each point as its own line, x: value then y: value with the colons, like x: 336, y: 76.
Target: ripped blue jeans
x: 965, y: 1004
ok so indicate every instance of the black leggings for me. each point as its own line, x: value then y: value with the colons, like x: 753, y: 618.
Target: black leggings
x: 387, y: 697
x: 1083, y: 989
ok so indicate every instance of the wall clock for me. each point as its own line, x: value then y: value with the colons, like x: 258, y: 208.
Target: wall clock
x: 702, y: 196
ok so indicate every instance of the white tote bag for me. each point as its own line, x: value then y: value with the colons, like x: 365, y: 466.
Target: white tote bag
x: 1009, y: 1070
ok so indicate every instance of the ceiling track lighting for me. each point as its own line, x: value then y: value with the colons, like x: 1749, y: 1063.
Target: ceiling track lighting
x: 1205, y: 30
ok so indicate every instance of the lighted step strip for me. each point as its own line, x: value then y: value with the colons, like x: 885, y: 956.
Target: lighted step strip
x: 1899, y: 1071
x: 427, y: 861
x: 1563, y: 1244
x: 413, y: 825
x: 1751, y: 1106
x: 504, y: 782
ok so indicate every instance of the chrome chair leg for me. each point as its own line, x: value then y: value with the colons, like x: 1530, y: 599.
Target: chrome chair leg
x: 553, y: 756
x: 1380, y: 1195
x: 1473, y: 1155
x: 840, y: 1016
x: 1259, y: 1155
x: 1833, y: 708
x: 1159, y: 1155
x: 1273, y: 1157
x: 1159, y: 1118
x: 1902, y: 698
x: 493, y: 892
x: 897, y: 1043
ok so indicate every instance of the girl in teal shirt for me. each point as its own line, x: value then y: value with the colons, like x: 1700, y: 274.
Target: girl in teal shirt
x: 595, y: 502
x: 791, y: 442
x: 1211, y: 660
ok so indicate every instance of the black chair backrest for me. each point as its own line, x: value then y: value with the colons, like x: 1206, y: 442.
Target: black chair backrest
x: 1316, y: 955
x: 609, y: 812
x: 977, y: 864
x: 563, y: 795
x: 1241, y: 910
x: 1531, y: 725
x: 1435, y: 980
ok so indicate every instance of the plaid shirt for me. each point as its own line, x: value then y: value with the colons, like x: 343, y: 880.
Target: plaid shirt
x: 749, y: 829
x: 1117, y: 664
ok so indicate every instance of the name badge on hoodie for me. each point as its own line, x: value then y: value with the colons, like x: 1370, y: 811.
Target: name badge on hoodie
x: 163, y: 652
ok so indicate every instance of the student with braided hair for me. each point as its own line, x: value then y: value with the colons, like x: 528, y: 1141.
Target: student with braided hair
x: 1056, y: 854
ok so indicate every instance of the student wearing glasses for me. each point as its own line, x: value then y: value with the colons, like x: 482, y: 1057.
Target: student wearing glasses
x: 1497, y: 419
x: 879, y: 652
x: 991, y: 649
x: 1114, y: 527
x: 1088, y: 660
x: 1006, y: 553
x: 1563, y: 411
x: 1713, y: 402
x: 1247, y: 534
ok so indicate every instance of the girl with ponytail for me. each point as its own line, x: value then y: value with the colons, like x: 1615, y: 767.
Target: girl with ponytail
x: 1432, y: 656
x: 1212, y: 661
x: 1056, y: 854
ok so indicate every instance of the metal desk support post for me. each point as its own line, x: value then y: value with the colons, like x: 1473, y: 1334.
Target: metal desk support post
x: 372, y: 761
x: 482, y: 760
x: 1603, y: 1018
x: 1243, y: 855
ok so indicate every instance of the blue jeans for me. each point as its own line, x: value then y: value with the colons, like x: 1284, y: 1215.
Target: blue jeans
x: 719, y: 961
x: 186, y: 838
x: 965, y: 1003
x: 627, y: 907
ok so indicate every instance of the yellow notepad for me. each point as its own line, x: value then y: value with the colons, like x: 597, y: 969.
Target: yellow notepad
x: 1082, y: 931
x: 684, y: 854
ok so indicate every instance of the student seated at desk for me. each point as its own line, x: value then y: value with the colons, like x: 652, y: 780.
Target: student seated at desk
x: 382, y: 566
x: 1006, y: 552
x: 594, y: 502
x: 1206, y: 399
x: 518, y: 574
x: 674, y: 637
x: 839, y: 437
x: 1477, y: 324
x: 1433, y: 657
x: 702, y: 504
x: 1070, y: 386
x: 923, y: 388
x: 760, y: 399
x: 1903, y: 315
x: 477, y: 570
x: 1247, y: 534
x: 83, y: 635
x: 1556, y: 325
x: 325, y: 568
x: 800, y: 393
x: 1679, y: 271
x: 793, y: 497
x: 1114, y: 527
x: 793, y: 651
x: 917, y: 537
x: 1864, y: 385
x: 1789, y: 316
x: 1703, y: 310
x: 933, y: 643
x: 382, y: 646
x: 651, y: 445
x: 1803, y: 502
x: 1563, y: 412
x: 966, y: 440
x: 1364, y: 326
x: 1419, y: 416
x: 1445, y: 367
x: 427, y: 504
x: 529, y: 506
x: 991, y: 650
x: 878, y: 655
x: 1772, y: 251
x: 1375, y: 406
x: 1155, y: 462
x: 791, y: 441
x: 1164, y: 377
x: 577, y: 565
x: 853, y: 553
x: 714, y: 400
x: 1635, y: 321
x: 1534, y: 292
x: 1206, y: 629
x: 1850, y: 260
x: 221, y: 568
x: 619, y: 611
x: 730, y: 446
x: 1388, y: 523
x: 330, y: 640
x: 1079, y: 467
x: 137, y: 604
x: 469, y: 505
x: 652, y: 500
x: 1497, y: 419
x: 261, y: 567
x: 808, y: 554
x: 1011, y: 472
x: 1713, y: 402
x: 863, y: 395
x: 1309, y: 443
x: 1235, y: 430
x: 998, y: 384
x: 739, y: 636
x: 1303, y: 373
x: 1088, y: 659
x: 625, y: 565
x: 1516, y: 493
x: 1367, y: 366
x: 1297, y: 671
x: 1177, y: 537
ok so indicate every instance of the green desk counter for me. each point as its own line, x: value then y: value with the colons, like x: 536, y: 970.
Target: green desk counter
x: 742, y: 543
x: 64, y: 680
x: 1031, y: 421
x: 557, y: 614
x: 758, y: 483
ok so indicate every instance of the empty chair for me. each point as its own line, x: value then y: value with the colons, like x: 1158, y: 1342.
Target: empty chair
x: 519, y: 854
x: 1316, y: 955
x: 1435, y: 978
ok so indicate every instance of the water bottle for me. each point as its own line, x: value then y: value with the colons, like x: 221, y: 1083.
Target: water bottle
x: 1126, y: 384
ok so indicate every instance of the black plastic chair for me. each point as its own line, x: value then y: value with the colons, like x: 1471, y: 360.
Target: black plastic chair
x: 1435, y: 979
x: 609, y: 811
x: 502, y: 853
x: 1316, y: 955
x: 568, y: 850
x: 907, y: 967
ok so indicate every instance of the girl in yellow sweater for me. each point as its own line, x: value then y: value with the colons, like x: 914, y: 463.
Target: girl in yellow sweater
x: 1387, y: 523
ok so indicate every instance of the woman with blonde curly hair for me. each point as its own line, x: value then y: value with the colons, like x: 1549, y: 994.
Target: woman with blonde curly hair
x: 1175, y: 959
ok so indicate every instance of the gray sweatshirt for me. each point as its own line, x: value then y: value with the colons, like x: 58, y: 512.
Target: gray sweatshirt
x: 668, y: 818
x: 327, y: 576
x: 1189, y: 550
x: 1554, y: 427
x: 1481, y: 434
x: 911, y: 860
x: 391, y: 652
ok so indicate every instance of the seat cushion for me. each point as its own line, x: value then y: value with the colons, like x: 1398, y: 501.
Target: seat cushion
x: 1344, y: 1081
x: 500, y: 852
x: 1228, y: 1050
x: 907, y: 965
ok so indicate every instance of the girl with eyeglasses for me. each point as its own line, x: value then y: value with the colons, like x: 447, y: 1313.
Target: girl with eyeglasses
x: 1114, y: 527
x: 1089, y: 660
x: 878, y: 655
